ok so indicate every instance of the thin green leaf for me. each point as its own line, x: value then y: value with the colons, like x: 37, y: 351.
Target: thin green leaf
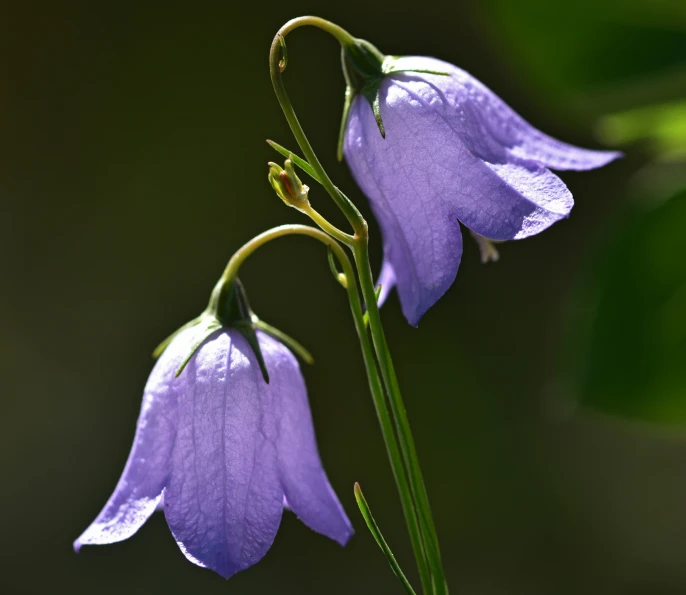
x: 378, y: 537
x: 299, y: 161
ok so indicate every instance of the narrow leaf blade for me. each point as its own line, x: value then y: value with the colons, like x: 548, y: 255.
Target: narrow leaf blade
x: 376, y: 533
x: 299, y: 161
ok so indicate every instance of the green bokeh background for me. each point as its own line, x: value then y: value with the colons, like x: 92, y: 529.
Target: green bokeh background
x: 133, y: 163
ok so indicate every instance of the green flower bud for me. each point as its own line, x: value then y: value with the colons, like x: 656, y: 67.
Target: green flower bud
x: 288, y: 186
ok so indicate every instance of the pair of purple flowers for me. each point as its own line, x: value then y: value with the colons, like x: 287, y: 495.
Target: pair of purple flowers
x: 222, y: 451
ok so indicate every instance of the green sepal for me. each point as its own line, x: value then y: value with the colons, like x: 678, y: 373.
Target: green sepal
x: 159, y: 350
x: 248, y: 331
x: 240, y: 316
x: 233, y: 310
x: 206, y: 327
x: 378, y: 537
x: 362, y: 62
x: 372, y: 93
x: 228, y: 308
x: 388, y: 67
x: 365, y: 68
x: 420, y: 70
x: 347, y: 105
x: 295, y: 346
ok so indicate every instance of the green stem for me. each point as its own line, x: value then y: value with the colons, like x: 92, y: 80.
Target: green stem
x: 386, y: 423
x: 323, y: 224
x: 399, y: 413
x: 276, y: 68
x: 240, y: 256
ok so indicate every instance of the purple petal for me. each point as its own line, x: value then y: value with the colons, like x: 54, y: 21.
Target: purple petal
x: 490, y: 126
x: 386, y: 280
x: 140, y: 488
x: 224, y: 500
x: 424, y: 167
x: 421, y: 234
x: 308, y: 492
x: 519, y: 201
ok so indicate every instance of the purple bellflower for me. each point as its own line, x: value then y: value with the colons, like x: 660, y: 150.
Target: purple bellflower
x: 225, y: 453
x: 453, y: 153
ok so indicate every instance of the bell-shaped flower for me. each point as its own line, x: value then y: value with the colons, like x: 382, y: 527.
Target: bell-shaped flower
x: 453, y: 153
x: 225, y: 452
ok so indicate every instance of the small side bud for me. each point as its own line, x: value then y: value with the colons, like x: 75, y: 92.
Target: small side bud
x: 288, y: 186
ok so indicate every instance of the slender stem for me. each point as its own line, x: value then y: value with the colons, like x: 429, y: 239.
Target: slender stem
x: 323, y: 224
x: 402, y: 423
x: 276, y: 67
x: 339, y: 33
x: 386, y: 423
x: 265, y: 237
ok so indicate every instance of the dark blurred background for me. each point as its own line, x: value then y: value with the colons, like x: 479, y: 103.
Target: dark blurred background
x: 547, y: 392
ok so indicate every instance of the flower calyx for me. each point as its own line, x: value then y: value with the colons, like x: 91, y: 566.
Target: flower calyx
x: 288, y: 186
x: 228, y: 308
x: 365, y: 68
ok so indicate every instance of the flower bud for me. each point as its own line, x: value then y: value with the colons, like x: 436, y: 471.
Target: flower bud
x: 288, y: 186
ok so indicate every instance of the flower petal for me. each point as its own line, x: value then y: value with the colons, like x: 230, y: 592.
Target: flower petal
x: 490, y: 125
x: 386, y: 280
x: 519, y: 200
x: 421, y: 235
x: 308, y: 492
x: 140, y: 488
x: 502, y: 199
x: 224, y: 500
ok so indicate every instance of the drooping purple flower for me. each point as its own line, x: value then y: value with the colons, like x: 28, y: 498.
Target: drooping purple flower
x: 453, y: 153
x: 225, y: 452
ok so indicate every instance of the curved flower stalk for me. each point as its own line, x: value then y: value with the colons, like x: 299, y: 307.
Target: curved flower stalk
x: 451, y: 152
x: 226, y: 452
